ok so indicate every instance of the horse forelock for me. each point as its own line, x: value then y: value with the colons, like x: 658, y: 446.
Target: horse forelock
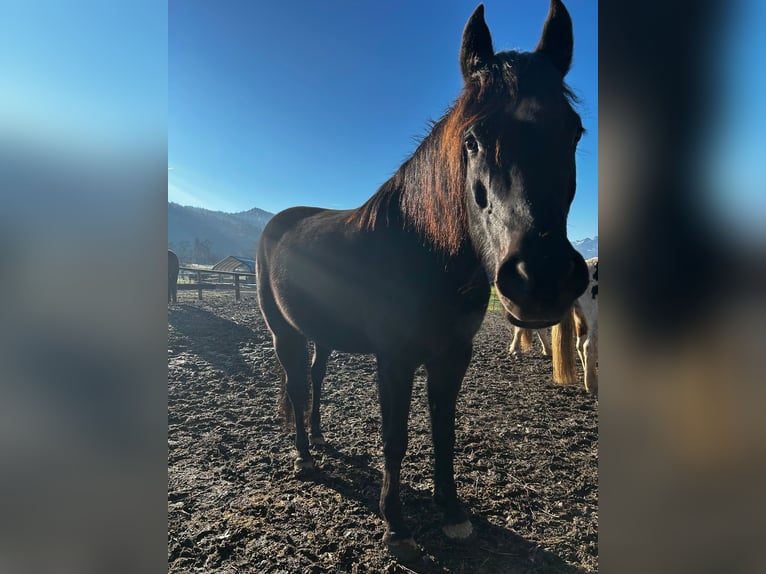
x: 485, y: 95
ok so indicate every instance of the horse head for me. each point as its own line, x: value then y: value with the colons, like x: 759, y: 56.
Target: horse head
x: 518, y: 134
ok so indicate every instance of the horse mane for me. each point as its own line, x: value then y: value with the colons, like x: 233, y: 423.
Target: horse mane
x: 427, y: 191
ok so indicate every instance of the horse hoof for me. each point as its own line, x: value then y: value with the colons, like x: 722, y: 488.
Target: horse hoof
x: 304, y: 465
x: 403, y: 549
x: 460, y: 531
x: 317, y: 440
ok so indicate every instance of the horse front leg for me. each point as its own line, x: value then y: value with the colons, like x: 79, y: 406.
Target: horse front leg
x: 395, y: 390
x: 445, y: 376
x: 318, y: 371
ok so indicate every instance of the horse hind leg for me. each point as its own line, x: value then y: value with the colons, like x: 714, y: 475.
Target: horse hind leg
x: 545, y: 340
x: 318, y: 371
x: 513, y: 347
x: 526, y: 340
x: 590, y: 353
x: 292, y: 351
x: 583, y: 344
x: 522, y: 341
x: 581, y: 353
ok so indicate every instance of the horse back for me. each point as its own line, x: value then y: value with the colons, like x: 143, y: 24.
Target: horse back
x: 358, y: 290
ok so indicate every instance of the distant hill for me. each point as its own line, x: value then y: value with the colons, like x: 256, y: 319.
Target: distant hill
x: 203, y: 236
x: 587, y: 247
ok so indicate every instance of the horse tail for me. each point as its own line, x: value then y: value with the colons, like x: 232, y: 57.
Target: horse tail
x: 286, y: 408
x: 284, y: 336
x: 563, y: 344
x: 526, y: 340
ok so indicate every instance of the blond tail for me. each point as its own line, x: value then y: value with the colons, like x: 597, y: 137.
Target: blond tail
x: 563, y: 343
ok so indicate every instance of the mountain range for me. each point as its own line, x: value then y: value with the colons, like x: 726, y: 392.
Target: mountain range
x: 587, y: 247
x: 200, y: 235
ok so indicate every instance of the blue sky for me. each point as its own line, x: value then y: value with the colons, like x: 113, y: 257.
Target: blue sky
x: 275, y: 104
x: 75, y: 75
x: 736, y: 165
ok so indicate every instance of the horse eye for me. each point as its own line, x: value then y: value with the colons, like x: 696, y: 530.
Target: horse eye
x: 471, y: 144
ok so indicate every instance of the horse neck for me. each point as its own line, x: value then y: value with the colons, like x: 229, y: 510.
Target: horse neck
x: 430, y: 186
x: 424, y: 196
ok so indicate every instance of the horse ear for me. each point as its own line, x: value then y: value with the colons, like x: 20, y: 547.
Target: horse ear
x: 476, y: 51
x: 557, y: 40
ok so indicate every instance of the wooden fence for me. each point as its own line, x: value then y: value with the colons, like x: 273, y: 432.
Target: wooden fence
x: 198, y: 274
x: 494, y: 302
x: 200, y: 285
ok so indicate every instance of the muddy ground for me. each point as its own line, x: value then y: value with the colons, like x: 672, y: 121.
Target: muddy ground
x: 526, y: 460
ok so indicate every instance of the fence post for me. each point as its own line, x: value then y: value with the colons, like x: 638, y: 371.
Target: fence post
x: 236, y: 285
x: 199, y: 285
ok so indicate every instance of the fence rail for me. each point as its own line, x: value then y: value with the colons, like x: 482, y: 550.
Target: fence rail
x: 201, y: 285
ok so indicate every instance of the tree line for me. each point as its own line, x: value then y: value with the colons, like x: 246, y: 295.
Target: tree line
x: 197, y: 251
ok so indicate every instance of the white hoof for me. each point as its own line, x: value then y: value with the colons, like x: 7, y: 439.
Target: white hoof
x: 458, y: 531
x: 302, y: 464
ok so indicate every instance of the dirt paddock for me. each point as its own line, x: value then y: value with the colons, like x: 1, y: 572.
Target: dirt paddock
x: 526, y: 460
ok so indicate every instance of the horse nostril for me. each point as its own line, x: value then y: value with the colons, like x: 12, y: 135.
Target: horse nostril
x: 521, y: 269
x: 515, y: 278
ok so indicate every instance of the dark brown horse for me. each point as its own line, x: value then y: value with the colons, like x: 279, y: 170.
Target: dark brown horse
x: 173, y: 266
x: 483, y: 200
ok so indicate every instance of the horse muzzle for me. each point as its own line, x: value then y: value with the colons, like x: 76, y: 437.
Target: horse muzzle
x: 537, y: 290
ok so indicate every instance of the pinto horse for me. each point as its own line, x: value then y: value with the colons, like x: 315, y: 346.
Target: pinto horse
x: 579, y: 330
x: 483, y: 200
x: 173, y: 266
